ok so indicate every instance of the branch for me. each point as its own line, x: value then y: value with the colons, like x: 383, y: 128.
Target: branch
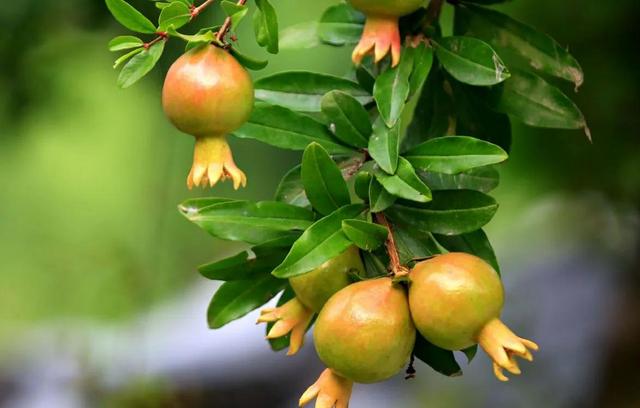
x: 195, y: 12
x: 226, y: 26
x: 397, y: 269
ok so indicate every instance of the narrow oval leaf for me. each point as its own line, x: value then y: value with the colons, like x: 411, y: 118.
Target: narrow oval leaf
x: 140, y: 65
x: 349, y: 118
x: 125, y: 42
x: 321, y: 242
x: 414, y: 244
x: 265, y: 23
x: 484, y: 179
x: 535, y: 102
x: 303, y: 91
x: 326, y: 189
x: 300, y: 36
x: 365, y: 235
x: 518, y: 42
x: 471, y: 61
x: 195, y: 205
x: 437, y: 358
x: 454, y: 154
x: 391, y: 89
x: 405, y: 183
x: 234, y: 300
x: 379, y: 198
x: 284, y: 128
x: 129, y: 17
x: 291, y: 190
x: 475, y: 243
x: 250, y: 222
x: 361, y: 185
x: 384, y: 145
x: 237, y: 12
x: 126, y: 57
x: 340, y: 25
x: 422, y: 63
x: 248, y: 62
x: 451, y: 212
x: 175, y: 15
x: 243, y: 266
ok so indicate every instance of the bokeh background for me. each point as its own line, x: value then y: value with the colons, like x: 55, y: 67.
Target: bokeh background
x: 100, y: 301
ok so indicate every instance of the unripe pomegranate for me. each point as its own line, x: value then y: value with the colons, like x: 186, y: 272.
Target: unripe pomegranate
x: 381, y: 32
x: 312, y: 291
x: 364, y: 332
x: 455, y: 302
x: 208, y: 94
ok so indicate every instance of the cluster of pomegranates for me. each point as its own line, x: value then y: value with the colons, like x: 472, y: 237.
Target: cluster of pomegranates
x: 365, y: 331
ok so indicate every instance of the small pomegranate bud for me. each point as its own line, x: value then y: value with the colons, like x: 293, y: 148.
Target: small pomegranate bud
x: 381, y: 33
x: 208, y: 95
x: 455, y: 302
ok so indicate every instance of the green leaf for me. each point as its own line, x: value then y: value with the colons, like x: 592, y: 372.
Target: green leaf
x: 125, y: 42
x: 475, y: 243
x: 471, y: 61
x: 518, y: 42
x: 234, y: 300
x: 535, y: 102
x: 384, y: 145
x: 391, y: 89
x: 321, y: 242
x: 300, y: 36
x: 452, y: 212
x: 374, y: 267
x: 322, y: 180
x: 422, y: 63
x: 248, y: 62
x: 483, y: 179
x: 364, y: 234
x: 361, y: 185
x: 454, y: 154
x: 243, y: 266
x: 236, y: 11
x: 405, y: 183
x: 126, y: 57
x: 140, y: 65
x: 265, y: 23
x: 414, y: 244
x: 303, y: 91
x: 176, y: 15
x: 379, y: 198
x: 291, y: 190
x: 349, y: 117
x: 340, y: 25
x: 437, y: 358
x: 195, y: 205
x: 250, y: 222
x: 129, y: 17
x: 470, y: 352
x: 286, y: 129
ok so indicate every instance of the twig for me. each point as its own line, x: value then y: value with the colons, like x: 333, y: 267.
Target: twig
x: 227, y: 25
x: 161, y: 35
x: 197, y: 10
x: 396, y: 267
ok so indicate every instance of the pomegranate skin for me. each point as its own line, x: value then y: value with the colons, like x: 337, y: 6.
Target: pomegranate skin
x: 364, y: 332
x: 207, y: 93
x: 390, y: 8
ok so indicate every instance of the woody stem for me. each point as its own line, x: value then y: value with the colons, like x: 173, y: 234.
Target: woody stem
x: 396, y: 267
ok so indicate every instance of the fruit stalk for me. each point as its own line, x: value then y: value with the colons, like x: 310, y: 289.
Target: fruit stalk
x: 226, y: 26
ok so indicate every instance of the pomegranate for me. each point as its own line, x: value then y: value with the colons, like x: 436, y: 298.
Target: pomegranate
x: 455, y: 302
x: 381, y: 33
x: 312, y: 291
x: 208, y: 94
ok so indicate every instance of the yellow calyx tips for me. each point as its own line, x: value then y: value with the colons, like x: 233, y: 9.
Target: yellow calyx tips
x: 213, y: 162
x: 330, y: 389
x: 502, y: 345
x: 381, y: 35
x: 292, y: 317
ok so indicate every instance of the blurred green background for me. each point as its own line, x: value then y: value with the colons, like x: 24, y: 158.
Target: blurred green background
x: 94, y: 251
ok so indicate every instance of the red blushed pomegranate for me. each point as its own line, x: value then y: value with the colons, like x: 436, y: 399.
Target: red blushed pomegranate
x: 381, y: 33
x: 208, y: 95
x: 455, y: 302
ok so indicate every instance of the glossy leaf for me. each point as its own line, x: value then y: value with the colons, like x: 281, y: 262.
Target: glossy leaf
x: 195, y: 205
x: 348, y: 117
x: 471, y: 61
x: 321, y: 242
x: 361, y: 185
x: 518, y: 42
x: 437, y: 358
x: 405, y: 183
x: 475, y: 243
x: 391, y: 89
x: 300, y: 36
x: 284, y: 128
x: 234, y: 300
x: 126, y: 57
x: 452, y: 212
x: 129, y: 17
x: 483, y: 179
x: 303, y: 91
x: 340, y: 25
x: 140, y: 65
x: 248, y: 62
x: 454, y: 154
x: 250, y: 222
x: 379, y: 198
x: 364, y: 235
x: 125, y: 42
x: 265, y: 23
x: 243, y: 266
x: 384, y: 145
x: 422, y: 63
x: 291, y: 190
x: 322, y: 180
x: 237, y: 12
x: 414, y: 244
x: 175, y: 15
x: 374, y: 266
